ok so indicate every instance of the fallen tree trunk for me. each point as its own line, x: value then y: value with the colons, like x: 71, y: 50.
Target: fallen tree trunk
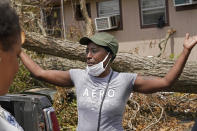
x: 124, y: 62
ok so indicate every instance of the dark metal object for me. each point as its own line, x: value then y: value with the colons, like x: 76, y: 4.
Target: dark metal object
x: 27, y: 109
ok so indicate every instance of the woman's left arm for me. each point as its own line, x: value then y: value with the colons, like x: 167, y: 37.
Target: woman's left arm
x: 146, y: 84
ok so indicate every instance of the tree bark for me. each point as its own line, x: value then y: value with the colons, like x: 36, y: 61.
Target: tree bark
x: 124, y: 62
x: 88, y: 20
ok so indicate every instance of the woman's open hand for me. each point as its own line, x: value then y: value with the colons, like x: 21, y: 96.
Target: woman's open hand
x: 189, y: 42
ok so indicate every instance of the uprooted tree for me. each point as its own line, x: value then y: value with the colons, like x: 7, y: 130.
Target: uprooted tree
x: 73, y: 51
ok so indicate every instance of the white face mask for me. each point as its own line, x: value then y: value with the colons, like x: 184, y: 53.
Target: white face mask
x: 97, y: 69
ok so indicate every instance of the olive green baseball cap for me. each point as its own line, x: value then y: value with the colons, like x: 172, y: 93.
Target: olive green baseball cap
x: 102, y: 39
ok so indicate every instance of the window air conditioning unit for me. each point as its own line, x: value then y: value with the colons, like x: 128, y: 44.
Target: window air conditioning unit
x: 107, y: 23
x: 184, y: 2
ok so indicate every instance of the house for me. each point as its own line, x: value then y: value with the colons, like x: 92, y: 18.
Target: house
x: 139, y: 25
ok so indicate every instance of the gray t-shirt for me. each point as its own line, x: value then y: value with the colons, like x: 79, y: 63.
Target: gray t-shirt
x: 90, y: 91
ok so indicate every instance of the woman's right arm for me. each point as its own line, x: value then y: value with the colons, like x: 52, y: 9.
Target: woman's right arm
x: 60, y: 78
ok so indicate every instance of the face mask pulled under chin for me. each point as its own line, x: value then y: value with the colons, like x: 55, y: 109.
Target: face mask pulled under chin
x: 97, y: 69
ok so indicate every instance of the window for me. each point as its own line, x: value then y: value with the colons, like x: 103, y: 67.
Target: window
x: 185, y: 4
x: 153, y: 13
x: 182, y: 2
x: 110, y: 8
x: 52, y: 20
x: 78, y: 14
